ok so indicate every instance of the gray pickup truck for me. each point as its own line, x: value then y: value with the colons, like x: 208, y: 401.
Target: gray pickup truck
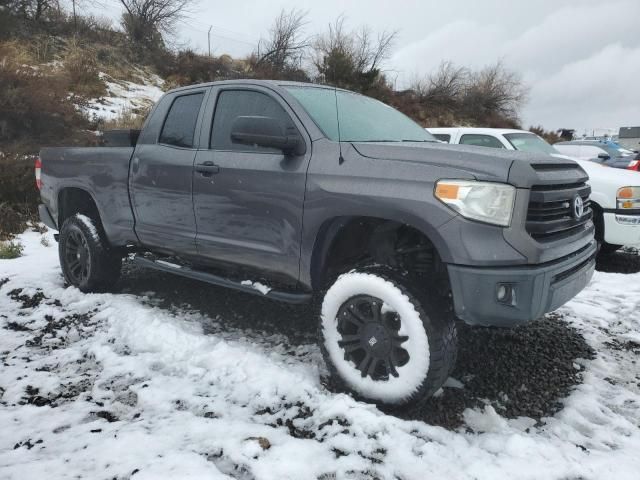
x: 305, y: 193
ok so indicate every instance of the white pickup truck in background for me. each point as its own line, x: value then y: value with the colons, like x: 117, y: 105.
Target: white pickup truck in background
x: 615, y: 193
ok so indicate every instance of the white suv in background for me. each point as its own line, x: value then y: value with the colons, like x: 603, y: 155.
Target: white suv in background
x: 615, y: 193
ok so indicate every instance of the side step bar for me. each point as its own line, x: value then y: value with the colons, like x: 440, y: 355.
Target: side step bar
x: 287, y: 297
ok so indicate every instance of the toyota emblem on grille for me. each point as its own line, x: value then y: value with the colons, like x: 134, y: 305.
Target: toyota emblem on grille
x: 578, y: 207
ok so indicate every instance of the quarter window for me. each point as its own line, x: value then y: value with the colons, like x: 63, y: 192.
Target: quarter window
x: 480, y: 140
x: 232, y: 104
x: 180, y: 124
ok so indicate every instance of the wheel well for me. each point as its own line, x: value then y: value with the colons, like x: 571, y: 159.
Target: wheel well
x: 598, y: 221
x: 349, y: 241
x: 76, y: 200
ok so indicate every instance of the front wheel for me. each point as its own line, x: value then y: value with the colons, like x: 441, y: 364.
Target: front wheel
x: 85, y: 257
x: 381, y: 341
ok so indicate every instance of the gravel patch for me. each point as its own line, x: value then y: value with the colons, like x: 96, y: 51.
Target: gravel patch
x: 524, y: 371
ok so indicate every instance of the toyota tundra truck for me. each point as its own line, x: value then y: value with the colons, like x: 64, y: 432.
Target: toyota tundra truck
x: 307, y: 193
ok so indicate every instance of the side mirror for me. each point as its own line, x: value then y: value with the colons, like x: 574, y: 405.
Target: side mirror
x: 267, y: 132
x: 603, y: 156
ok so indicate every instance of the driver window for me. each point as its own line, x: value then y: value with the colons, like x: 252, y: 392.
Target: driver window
x: 237, y: 103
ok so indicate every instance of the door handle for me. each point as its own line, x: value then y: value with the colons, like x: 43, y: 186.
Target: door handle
x: 206, y: 169
x: 136, y: 165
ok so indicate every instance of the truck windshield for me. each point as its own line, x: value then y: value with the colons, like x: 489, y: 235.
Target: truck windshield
x: 359, y: 118
x: 529, y: 142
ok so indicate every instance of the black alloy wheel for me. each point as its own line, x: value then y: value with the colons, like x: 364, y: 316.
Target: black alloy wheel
x: 77, y: 258
x: 371, y: 337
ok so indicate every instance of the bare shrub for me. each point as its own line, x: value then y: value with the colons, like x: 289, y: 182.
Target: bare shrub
x: 35, y: 103
x: 128, y: 118
x: 494, y: 96
x: 146, y: 21
x: 81, y: 65
x: 10, y: 250
x: 11, y: 221
x: 454, y: 96
x: 188, y: 67
x: 280, y: 55
x: 351, y: 59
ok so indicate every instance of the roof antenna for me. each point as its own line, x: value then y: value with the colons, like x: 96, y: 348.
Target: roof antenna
x: 340, y: 158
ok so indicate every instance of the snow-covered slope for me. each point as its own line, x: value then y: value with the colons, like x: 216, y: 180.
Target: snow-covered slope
x: 114, y: 386
x: 125, y: 96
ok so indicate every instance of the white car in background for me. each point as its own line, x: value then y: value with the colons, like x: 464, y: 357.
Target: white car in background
x: 615, y: 193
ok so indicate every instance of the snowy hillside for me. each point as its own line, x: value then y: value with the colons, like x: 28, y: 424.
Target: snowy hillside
x: 126, y: 96
x: 131, y: 385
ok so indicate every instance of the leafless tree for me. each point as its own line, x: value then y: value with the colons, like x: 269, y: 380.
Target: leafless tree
x: 145, y: 20
x: 30, y: 9
x: 495, y: 90
x: 285, y: 46
x: 351, y: 58
x: 445, y: 86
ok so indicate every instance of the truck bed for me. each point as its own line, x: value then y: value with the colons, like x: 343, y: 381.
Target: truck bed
x: 103, y: 172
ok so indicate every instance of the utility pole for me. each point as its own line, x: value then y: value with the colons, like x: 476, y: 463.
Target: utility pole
x: 75, y: 19
x: 209, y: 38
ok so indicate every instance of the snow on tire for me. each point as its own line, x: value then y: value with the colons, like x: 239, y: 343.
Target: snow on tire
x: 382, y: 343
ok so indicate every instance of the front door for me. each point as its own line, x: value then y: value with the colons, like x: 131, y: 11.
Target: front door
x: 248, y: 200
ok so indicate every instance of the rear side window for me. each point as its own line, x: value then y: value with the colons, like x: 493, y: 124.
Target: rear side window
x: 232, y: 104
x: 180, y: 124
x: 480, y: 140
x: 445, y: 137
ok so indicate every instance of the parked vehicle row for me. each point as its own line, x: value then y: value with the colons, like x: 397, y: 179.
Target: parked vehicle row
x: 601, y: 151
x: 615, y: 194
x: 329, y: 195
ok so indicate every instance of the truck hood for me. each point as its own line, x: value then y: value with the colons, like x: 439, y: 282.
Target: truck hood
x: 521, y: 169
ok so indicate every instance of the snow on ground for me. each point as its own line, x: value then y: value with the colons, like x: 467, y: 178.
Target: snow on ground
x: 114, y: 386
x: 125, y: 96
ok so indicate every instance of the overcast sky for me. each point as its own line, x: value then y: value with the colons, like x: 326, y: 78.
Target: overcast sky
x: 580, y: 58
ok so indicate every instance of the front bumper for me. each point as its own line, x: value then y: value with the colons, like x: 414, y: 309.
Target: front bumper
x: 531, y: 291
x: 621, y: 229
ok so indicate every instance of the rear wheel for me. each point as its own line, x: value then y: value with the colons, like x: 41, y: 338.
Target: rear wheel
x: 87, y: 261
x: 383, y: 342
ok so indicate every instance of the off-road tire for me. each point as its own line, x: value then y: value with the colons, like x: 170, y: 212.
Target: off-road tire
x: 435, y: 317
x: 100, y: 265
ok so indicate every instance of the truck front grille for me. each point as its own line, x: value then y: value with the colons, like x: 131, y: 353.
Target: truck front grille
x: 551, y: 215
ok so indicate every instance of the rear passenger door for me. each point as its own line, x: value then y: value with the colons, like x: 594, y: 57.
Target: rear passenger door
x: 249, y: 208
x: 161, y: 174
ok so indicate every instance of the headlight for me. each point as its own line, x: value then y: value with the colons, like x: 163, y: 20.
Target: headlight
x: 484, y: 201
x: 628, y: 197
